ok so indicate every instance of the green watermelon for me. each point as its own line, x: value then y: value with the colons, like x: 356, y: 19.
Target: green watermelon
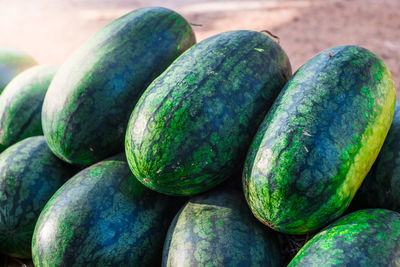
x: 88, y: 103
x: 192, y: 126
x: 12, y: 62
x: 29, y: 176
x: 103, y: 217
x: 363, y: 238
x: 21, y: 104
x: 319, y: 140
x: 381, y: 187
x: 218, y: 229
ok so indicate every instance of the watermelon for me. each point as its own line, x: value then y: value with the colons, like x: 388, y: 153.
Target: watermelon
x: 21, y: 104
x: 103, y: 217
x: 192, y: 126
x: 381, y: 187
x: 368, y: 237
x: 12, y: 62
x: 88, y: 104
x: 218, y: 229
x: 29, y: 176
x: 319, y: 140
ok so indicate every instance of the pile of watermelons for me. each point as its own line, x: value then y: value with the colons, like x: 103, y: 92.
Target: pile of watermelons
x: 143, y: 148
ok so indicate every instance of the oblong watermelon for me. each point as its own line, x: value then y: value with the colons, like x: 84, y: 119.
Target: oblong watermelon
x: 381, y: 187
x: 21, y: 104
x: 103, y: 216
x: 29, y: 176
x: 319, y: 140
x: 218, y: 229
x: 363, y: 238
x: 12, y: 62
x: 192, y: 127
x: 88, y: 103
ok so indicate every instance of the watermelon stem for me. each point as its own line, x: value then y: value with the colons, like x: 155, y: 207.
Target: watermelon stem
x: 272, y: 35
x: 196, y: 24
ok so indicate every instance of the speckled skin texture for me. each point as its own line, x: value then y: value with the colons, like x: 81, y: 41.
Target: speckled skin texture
x: 218, y: 229
x: 29, y: 176
x: 381, y: 187
x: 12, y: 62
x: 21, y: 104
x: 192, y: 127
x: 363, y: 238
x: 103, y: 217
x: 88, y: 104
x: 319, y: 140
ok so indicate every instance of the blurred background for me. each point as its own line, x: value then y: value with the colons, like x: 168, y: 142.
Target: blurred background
x: 50, y: 30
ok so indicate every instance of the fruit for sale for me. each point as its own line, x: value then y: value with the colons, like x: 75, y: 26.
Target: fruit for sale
x: 193, y: 125
x: 319, y: 140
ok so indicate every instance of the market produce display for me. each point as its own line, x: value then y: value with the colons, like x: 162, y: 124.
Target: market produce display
x: 29, y: 175
x: 192, y: 126
x: 319, y: 140
x: 286, y: 154
x: 103, y: 215
x: 363, y: 238
x: 89, y: 102
x: 21, y: 104
x: 12, y: 62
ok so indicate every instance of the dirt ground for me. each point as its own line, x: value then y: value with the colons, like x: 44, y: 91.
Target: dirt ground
x: 51, y: 30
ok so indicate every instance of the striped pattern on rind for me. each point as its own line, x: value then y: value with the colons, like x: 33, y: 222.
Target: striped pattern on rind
x: 192, y: 126
x: 88, y: 104
x: 12, y: 62
x: 319, y: 140
x: 218, y: 229
x: 21, y: 104
x: 362, y: 238
x: 381, y: 187
x: 103, y: 216
x: 29, y: 176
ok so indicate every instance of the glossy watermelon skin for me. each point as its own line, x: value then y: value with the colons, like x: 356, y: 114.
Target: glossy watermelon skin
x: 88, y: 104
x: 192, y: 126
x: 381, y: 187
x: 218, y: 229
x: 29, y: 175
x: 21, y: 104
x: 363, y: 238
x: 103, y: 216
x: 319, y: 140
x: 12, y: 62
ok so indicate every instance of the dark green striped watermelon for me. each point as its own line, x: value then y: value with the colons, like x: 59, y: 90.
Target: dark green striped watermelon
x: 103, y: 217
x: 88, y: 104
x: 364, y: 238
x: 21, y: 104
x: 29, y: 176
x: 192, y: 127
x: 381, y: 187
x: 319, y: 140
x: 218, y: 229
x: 12, y: 62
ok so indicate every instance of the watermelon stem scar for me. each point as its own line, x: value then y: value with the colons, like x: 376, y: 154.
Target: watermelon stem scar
x: 272, y: 35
